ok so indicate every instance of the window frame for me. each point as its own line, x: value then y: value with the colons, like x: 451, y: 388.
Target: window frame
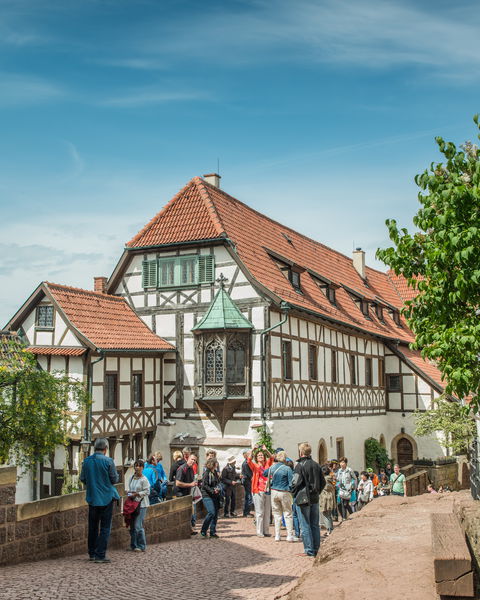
x: 368, y: 371
x: 353, y: 369
x: 389, y: 388
x: 226, y: 367
x: 136, y: 374
x: 203, y: 271
x: 37, y: 316
x: 109, y: 374
x: 334, y: 365
x: 312, y: 362
x: 381, y: 372
x: 287, y: 362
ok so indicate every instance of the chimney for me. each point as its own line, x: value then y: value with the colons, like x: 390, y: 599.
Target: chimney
x: 359, y: 262
x: 100, y: 284
x: 213, y: 179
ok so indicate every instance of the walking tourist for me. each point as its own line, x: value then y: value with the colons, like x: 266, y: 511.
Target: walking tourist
x: 159, y: 467
x: 365, y: 490
x: 308, y: 483
x: 398, y: 482
x: 345, y: 483
x: 138, y: 491
x: 212, y: 454
x: 246, y: 478
x: 177, y: 461
x: 210, y: 487
x: 229, y: 479
x: 384, y: 486
x: 280, y: 477
x: 185, y: 481
x: 261, y: 499
x: 99, y: 475
x: 327, y: 501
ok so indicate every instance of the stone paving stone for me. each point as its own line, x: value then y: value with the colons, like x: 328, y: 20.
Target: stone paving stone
x: 238, y: 565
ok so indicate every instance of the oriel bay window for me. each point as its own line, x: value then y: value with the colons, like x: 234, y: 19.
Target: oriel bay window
x: 223, y: 360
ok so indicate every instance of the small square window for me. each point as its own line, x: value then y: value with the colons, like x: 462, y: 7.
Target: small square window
x: 295, y: 279
x: 44, y: 316
x: 393, y: 383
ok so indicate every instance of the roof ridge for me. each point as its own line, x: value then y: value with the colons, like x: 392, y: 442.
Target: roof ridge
x: 160, y: 213
x: 216, y: 220
x: 83, y: 291
x: 302, y: 235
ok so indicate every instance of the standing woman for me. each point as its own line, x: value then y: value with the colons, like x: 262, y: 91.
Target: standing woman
x: 281, y: 477
x: 327, y: 501
x: 345, y: 483
x: 261, y: 499
x: 138, y: 490
x: 211, y: 492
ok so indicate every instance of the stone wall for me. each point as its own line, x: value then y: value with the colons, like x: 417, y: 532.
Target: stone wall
x: 58, y: 526
x: 417, y: 483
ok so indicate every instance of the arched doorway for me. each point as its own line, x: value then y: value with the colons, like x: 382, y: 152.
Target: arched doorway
x: 381, y: 441
x: 322, y: 452
x: 404, y: 452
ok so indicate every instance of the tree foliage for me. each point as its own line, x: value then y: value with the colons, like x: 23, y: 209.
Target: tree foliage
x: 265, y: 438
x: 441, y: 261
x: 37, y: 409
x: 376, y: 456
x: 450, y: 419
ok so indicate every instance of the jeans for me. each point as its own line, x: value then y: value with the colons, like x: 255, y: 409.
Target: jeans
x: 282, y: 505
x: 344, y: 506
x: 326, y: 520
x: 137, y: 532
x: 309, y: 518
x: 99, y: 516
x: 212, y: 506
x: 262, y: 512
x: 296, y: 522
x: 229, y: 500
x: 248, y: 500
x: 398, y: 494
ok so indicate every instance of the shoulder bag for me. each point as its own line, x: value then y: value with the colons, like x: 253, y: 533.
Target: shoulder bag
x: 303, y: 497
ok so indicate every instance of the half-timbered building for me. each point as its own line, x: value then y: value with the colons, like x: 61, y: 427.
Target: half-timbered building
x: 270, y: 326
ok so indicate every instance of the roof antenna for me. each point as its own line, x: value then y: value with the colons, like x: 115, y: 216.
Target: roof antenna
x: 218, y: 166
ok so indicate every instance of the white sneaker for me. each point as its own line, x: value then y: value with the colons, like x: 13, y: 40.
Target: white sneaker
x: 277, y: 538
x: 260, y: 535
x: 293, y: 539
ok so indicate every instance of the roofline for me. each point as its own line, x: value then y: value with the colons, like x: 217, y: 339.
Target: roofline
x: 415, y: 368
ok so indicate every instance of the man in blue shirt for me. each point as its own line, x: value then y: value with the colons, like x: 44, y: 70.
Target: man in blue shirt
x: 99, y: 475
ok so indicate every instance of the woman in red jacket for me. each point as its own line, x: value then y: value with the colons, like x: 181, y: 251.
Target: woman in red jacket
x: 261, y: 499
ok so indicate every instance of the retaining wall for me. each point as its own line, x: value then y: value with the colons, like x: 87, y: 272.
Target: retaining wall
x: 58, y: 526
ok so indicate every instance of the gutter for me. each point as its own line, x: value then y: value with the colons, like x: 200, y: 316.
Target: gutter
x: 263, y: 337
x: 88, y: 425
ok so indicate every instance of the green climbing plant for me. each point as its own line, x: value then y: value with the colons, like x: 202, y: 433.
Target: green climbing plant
x: 376, y: 456
x: 265, y: 438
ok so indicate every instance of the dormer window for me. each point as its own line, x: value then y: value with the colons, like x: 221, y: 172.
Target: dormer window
x: 379, y: 312
x: 364, y: 308
x: 44, y: 317
x: 293, y: 276
x: 328, y: 288
x: 395, y: 316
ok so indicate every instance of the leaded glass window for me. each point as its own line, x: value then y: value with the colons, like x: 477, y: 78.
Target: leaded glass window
x: 214, y: 363
x: 44, y: 316
x: 235, y: 362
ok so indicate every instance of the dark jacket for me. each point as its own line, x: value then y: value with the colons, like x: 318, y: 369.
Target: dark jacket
x: 308, y: 469
x: 174, y: 468
x: 246, y: 473
x: 210, y: 482
x: 229, y: 475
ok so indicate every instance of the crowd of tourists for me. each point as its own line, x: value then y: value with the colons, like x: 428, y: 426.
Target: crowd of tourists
x: 299, y: 496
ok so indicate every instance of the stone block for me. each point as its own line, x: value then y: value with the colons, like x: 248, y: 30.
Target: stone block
x: 55, y: 539
x: 7, y: 494
x: 36, y: 526
x: 47, y: 523
x: 11, y: 514
x: 9, y: 553
x: 26, y: 550
x: 82, y: 515
x: 39, y: 543
x: 10, y: 532
x: 78, y: 533
x: 8, y: 476
x: 58, y: 521
x: 70, y: 518
x: 3, y: 515
x: 22, y: 530
x: 3, y: 535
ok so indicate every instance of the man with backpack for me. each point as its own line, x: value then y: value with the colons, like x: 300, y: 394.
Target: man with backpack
x: 308, y: 482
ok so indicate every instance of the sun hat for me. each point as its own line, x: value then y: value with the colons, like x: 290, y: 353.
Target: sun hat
x: 231, y: 460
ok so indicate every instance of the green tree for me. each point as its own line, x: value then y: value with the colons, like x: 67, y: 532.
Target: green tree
x: 37, y: 408
x: 376, y: 456
x: 441, y: 261
x: 265, y: 438
x: 450, y: 419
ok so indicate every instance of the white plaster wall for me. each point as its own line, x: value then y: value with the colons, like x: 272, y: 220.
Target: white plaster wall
x: 29, y: 326
x: 57, y: 363
x: 60, y: 327
x: 125, y: 374
x: 44, y: 338
x: 241, y: 292
x: 165, y: 324
x: 111, y: 365
x: 137, y: 364
x: 149, y: 369
x: 148, y: 388
x: 75, y: 368
x: 125, y: 400
x: 71, y: 339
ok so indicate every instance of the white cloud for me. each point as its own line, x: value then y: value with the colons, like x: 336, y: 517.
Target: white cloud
x: 145, y: 96
x: 18, y: 89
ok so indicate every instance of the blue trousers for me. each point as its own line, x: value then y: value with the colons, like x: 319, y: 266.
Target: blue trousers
x: 212, y: 507
x: 137, y: 532
x: 309, y: 517
x: 248, y: 500
x: 99, y: 517
x: 296, y: 524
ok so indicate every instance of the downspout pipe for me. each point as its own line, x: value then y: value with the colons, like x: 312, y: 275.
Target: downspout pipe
x: 88, y: 425
x: 285, y: 308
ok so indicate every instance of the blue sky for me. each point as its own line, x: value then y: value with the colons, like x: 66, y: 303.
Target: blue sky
x: 320, y: 112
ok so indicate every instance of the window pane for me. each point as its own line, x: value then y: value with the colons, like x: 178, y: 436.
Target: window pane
x: 167, y: 272
x: 210, y: 366
x: 110, y: 391
x: 235, y: 363
x: 334, y: 366
x: 287, y: 359
x: 393, y: 382
x: 353, y: 369
x: 188, y: 271
x: 45, y: 316
x: 137, y: 390
x: 219, y: 365
x: 312, y: 361
x: 368, y: 371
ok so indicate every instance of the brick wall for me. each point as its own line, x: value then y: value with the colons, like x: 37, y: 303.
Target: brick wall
x: 58, y: 526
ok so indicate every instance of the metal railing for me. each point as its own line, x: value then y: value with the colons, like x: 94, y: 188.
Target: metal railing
x: 475, y: 469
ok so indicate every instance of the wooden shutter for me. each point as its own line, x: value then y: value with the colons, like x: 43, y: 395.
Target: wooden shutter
x: 150, y: 273
x: 206, y: 269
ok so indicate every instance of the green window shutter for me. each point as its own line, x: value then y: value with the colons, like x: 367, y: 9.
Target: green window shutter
x: 206, y: 269
x: 150, y: 273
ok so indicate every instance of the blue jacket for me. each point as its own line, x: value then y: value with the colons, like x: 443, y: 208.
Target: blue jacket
x: 161, y: 472
x: 281, y: 477
x: 151, y: 473
x: 99, y: 475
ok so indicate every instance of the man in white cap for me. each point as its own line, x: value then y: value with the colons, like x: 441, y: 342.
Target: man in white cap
x: 229, y: 479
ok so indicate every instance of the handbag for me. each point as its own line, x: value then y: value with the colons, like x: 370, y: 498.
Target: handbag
x: 302, y: 497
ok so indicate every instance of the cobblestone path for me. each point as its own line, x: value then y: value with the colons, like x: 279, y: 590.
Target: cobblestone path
x: 238, y: 565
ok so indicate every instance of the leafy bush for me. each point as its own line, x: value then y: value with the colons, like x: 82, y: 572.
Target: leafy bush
x: 376, y: 456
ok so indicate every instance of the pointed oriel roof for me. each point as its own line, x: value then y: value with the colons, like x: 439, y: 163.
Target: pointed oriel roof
x: 223, y: 313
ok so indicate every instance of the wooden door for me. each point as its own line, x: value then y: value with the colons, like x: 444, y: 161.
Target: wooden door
x: 404, y: 452
x: 322, y: 453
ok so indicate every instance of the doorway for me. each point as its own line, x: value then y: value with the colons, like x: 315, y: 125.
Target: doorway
x: 322, y: 452
x: 404, y: 452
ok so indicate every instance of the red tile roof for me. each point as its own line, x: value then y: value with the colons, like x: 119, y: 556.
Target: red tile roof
x: 427, y: 366
x: 56, y: 350
x: 404, y: 291
x: 108, y: 322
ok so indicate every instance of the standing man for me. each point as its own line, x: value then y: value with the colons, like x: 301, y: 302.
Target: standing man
x: 99, y: 475
x: 184, y: 482
x: 398, y: 482
x: 229, y: 479
x: 247, y: 485
x: 308, y: 482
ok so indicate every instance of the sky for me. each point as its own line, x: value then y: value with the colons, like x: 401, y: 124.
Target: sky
x: 318, y: 113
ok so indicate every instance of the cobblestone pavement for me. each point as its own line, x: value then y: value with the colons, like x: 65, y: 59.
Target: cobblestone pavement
x: 238, y: 565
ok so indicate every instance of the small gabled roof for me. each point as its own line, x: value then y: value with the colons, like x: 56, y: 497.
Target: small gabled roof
x: 223, y: 313
x: 100, y: 321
